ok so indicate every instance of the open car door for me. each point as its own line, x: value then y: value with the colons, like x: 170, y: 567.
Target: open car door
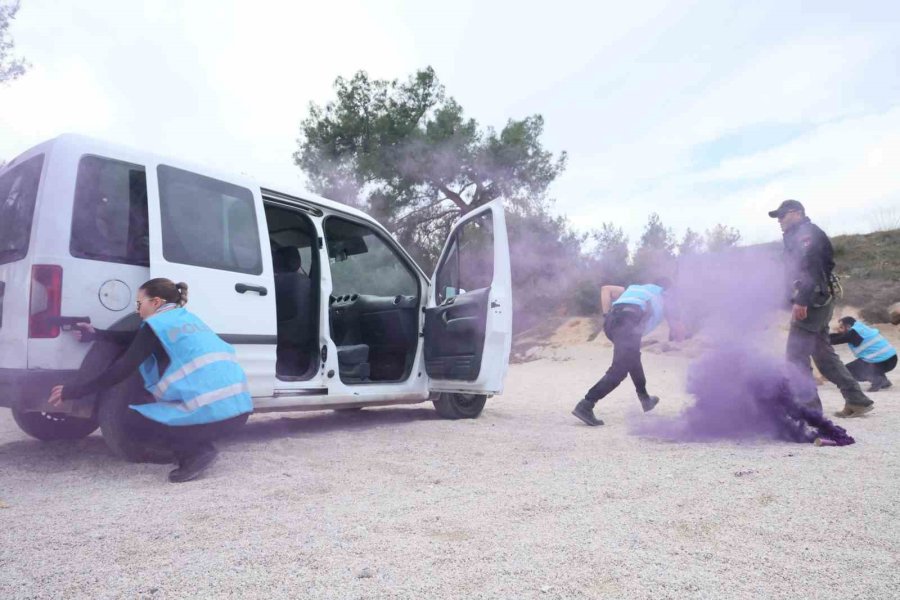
x: 210, y: 234
x: 468, y: 320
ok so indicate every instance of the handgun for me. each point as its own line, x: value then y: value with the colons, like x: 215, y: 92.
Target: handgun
x: 67, y: 323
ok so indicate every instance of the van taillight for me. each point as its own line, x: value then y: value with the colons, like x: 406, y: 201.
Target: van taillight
x: 46, y: 301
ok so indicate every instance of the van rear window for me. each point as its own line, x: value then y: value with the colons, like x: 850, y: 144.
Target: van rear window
x: 18, y: 191
x: 207, y: 222
x: 109, y: 218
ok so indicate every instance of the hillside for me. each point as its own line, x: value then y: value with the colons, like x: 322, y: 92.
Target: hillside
x: 867, y: 264
x: 869, y: 268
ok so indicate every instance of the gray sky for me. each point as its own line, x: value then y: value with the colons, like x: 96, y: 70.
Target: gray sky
x: 704, y: 112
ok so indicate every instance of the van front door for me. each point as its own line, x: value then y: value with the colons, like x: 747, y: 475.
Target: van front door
x: 208, y: 233
x: 468, y: 321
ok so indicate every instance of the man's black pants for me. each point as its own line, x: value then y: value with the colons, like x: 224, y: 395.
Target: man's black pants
x: 804, y: 344
x: 624, y: 328
x: 184, y: 441
x: 871, y: 372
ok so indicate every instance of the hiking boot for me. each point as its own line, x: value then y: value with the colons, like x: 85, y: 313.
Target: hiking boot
x: 882, y: 384
x: 584, y: 410
x: 648, y: 402
x: 854, y: 410
x: 193, y: 466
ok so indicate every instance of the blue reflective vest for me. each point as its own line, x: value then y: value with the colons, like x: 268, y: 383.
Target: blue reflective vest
x: 874, y: 348
x: 649, y: 298
x: 204, y: 382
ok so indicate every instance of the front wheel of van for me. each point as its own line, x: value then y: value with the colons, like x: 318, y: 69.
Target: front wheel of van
x: 459, y: 406
x: 118, y: 421
x: 53, y: 426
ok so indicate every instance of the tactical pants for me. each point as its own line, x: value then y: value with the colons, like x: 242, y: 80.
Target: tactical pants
x: 872, y: 372
x: 624, y: 329
x: 804, y: 344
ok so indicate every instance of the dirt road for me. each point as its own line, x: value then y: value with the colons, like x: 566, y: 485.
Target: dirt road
x: 524, y: 502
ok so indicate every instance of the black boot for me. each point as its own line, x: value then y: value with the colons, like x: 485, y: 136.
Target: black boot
x: 648, y: 402
x: 882, y: 383
x: 192, y: 466
x: 584, y: 410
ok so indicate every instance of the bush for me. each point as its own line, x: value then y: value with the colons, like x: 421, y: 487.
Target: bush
x: 586, y: 298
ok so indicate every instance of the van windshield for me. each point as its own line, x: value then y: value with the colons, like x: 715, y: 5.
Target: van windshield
x: 18, y: 191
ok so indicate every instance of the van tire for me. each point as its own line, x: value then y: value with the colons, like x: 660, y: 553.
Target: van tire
x: 116, y: 422
x: 54, y: 426
x: 459, y: 406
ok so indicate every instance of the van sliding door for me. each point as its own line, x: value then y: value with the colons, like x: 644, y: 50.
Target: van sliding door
x: 209, y: 233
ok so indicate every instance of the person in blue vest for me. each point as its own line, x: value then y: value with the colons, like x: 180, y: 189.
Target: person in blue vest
x: 198, y: 389
x: 630, y: 314
x: 875, y: 356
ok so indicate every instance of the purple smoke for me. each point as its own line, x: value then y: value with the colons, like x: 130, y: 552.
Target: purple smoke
x: 741, y: 384
x: 741, y: 393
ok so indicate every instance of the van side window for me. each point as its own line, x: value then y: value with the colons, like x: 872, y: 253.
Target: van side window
x: 363, y: 263
x: 469, y: 262
x: 207, y: 222
x: 109, y: 216
x: 18, y: 191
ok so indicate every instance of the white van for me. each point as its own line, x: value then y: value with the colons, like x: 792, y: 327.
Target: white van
x: 324, y: 308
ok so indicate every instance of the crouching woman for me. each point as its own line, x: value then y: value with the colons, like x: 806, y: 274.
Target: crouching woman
x: 198, y: 387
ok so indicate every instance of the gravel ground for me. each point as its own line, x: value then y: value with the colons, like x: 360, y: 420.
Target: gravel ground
x: 524, y: 502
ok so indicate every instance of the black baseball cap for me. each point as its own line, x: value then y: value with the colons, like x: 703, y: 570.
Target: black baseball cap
x: 786, y: 207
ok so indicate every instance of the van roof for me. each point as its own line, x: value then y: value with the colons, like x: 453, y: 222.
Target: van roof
x: 73, y: 141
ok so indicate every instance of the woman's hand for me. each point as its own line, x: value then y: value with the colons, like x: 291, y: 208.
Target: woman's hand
x: 56, y: 398
x: 85, y: 332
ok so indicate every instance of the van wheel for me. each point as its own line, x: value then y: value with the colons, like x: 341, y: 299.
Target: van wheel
x: 459, y: 406
x: 53, y: 426
x: 117, y: 422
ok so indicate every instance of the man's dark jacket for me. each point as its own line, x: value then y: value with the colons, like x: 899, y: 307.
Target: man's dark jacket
x: 809, y: 261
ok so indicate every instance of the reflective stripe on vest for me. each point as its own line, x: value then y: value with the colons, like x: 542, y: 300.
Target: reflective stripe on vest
x: 649, y: 298
x: 203, y: 383
x: 160, y: 388
x: 874, y: 348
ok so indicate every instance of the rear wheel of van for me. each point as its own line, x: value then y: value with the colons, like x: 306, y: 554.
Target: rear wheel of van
x: 459, y: 406
x: 53, y: 426
x: 117, y: 423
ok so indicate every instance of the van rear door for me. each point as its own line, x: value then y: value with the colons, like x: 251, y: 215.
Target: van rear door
x: 18, y: 195
x: 208, y: 232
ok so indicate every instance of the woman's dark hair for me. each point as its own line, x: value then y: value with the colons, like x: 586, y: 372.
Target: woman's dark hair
x: 848, y: 321
x: 176, y: 293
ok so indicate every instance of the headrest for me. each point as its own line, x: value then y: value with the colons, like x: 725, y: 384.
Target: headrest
x: 286, y: 259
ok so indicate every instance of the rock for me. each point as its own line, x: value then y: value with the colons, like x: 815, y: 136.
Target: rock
x: 366, y: 573
x: 894, y: 313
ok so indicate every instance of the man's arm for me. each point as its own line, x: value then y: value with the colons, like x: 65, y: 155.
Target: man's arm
x: 851, y: 337
x: 815, y: 253
x: 608, y: 295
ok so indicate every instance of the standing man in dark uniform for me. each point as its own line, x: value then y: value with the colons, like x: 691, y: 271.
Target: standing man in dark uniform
x: 809, y: 262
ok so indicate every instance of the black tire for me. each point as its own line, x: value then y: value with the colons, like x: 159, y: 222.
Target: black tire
x: 459, y: 406
x: 117, y: 422
x: 54, y: 426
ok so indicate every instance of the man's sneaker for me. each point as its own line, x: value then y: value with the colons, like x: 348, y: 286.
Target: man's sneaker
x: 854, y: 410
x: 584, y: 410
x: 193, y: 466
x: 648, y: 402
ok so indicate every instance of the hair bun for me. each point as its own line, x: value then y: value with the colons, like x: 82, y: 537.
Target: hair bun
x: 182, y: 289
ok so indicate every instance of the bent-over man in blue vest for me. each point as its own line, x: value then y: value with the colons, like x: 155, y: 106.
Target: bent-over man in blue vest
x: 875, y: 356
x: 630, y: 314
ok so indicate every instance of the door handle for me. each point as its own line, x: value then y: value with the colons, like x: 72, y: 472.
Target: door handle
x: 242, y: 288
x: 495, y: 304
